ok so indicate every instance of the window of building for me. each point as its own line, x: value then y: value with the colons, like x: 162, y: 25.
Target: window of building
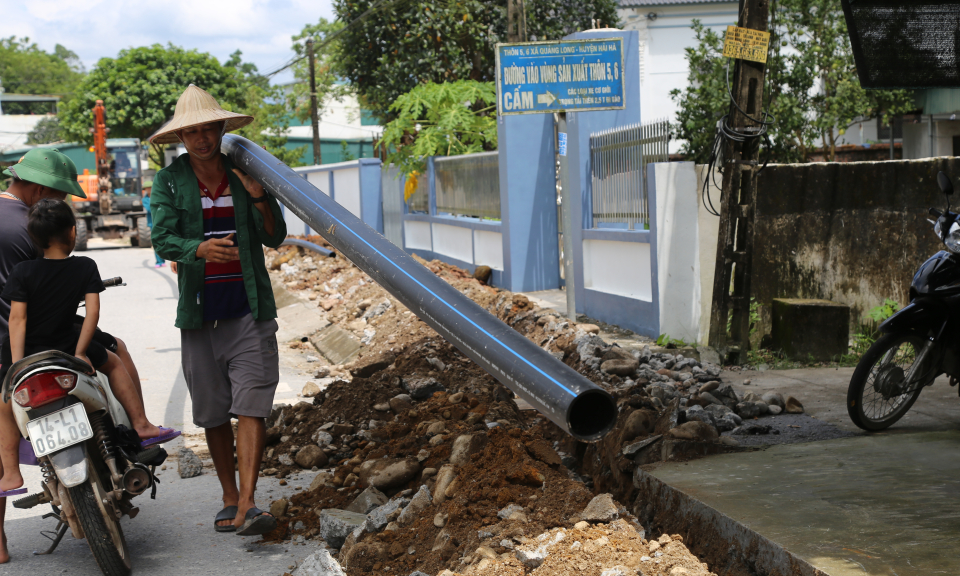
x: 883, y: 130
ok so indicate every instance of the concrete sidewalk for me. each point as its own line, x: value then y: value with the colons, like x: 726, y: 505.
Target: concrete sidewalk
x: 880, y: 504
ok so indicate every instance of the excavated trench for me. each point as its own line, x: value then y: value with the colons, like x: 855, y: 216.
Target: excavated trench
x: 424, y: 462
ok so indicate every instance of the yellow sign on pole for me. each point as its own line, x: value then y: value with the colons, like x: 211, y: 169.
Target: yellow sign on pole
x: 746, y: 44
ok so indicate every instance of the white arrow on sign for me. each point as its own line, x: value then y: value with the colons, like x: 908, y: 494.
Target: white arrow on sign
x: 546, y: 98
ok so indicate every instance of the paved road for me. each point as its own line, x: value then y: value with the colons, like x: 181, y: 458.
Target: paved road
x: 173, y: 534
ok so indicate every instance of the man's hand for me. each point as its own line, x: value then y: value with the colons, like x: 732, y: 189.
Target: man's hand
x: 173, y: 267
x: 252, y: 186
x: 220, y: 250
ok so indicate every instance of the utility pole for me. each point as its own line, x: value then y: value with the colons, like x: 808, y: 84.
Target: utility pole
x: 314, y: 117
x: 516, y: 21
x: 738, y: 200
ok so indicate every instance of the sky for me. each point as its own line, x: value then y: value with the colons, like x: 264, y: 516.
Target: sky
x: 94, y: 29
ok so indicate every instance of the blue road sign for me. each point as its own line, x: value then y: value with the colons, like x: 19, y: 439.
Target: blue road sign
x: 562, y: 143
x: 563, y: 76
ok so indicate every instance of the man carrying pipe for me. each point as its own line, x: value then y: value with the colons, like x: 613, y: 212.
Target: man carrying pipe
x: 211, y: 219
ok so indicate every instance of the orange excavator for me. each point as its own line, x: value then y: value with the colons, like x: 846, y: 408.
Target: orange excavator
x: 113, y: 207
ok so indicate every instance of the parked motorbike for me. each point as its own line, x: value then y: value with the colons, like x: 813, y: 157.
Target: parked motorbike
x: 92, y: 461
x: 918, y: 343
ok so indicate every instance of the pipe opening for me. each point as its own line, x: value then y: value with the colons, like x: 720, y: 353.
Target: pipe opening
x: 591, y: 415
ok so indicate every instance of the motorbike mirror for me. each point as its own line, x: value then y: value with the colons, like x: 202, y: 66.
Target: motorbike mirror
x: 945, y: 184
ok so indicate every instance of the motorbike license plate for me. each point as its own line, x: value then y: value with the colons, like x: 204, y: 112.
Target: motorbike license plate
x: 59, y: 430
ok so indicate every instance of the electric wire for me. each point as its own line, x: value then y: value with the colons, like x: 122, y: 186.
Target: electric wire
x: 334, y: 36
x: 728, y: 133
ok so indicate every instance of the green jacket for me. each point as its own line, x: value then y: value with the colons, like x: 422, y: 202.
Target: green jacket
x: 178, y: 232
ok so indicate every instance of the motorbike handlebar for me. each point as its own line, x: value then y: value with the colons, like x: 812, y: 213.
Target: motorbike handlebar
x: 112, y: 282
x: 935, y: 212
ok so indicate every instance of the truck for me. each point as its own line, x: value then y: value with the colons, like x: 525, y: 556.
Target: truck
x: 113, y: 207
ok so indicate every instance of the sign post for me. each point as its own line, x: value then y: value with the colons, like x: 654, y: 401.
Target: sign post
x: 556, y: 78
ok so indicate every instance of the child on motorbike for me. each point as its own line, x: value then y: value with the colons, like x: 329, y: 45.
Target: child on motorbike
x: 44, y: 295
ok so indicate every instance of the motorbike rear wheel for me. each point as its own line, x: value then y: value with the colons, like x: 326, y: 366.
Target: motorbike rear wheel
x: 878, y: 395
x: 103, y: 532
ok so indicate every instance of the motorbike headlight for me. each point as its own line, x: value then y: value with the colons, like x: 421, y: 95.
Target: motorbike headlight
x: 953, y: 239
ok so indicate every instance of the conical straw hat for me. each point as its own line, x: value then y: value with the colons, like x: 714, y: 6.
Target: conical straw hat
x: 196, y: 106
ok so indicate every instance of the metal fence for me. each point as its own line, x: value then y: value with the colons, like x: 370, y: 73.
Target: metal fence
x: 392, y: 187
x: 468, y: 185
x: 619, y: 158
x: 419, y: 201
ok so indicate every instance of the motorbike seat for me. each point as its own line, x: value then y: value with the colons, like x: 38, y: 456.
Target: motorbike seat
x: 40, y: 360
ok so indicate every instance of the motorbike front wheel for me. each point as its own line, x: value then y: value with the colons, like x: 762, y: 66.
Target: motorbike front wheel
x: 103, y: 532
x: 879, y: 394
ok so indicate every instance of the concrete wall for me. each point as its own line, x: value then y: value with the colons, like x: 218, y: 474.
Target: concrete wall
x: 355, y: 185
x: 708, y: 229
x: 678, y: 262
x: 853, y: 233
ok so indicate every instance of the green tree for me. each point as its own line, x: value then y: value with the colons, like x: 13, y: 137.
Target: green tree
x: 26, y: 69
x: 140, y: 88
x: 445, y: 119
x: 270, y: 107
x: 402, y: 44
x: 46, y: 131
x: 811, y: 88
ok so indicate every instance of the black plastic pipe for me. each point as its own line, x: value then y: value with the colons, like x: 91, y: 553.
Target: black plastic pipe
x: 582, y: 409
x: 309, y: 246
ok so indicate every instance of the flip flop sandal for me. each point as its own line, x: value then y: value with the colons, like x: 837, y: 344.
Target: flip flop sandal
x: 166, y: 435
x: 257, y: 522
x: 228, y: 513
x: 14, y: 492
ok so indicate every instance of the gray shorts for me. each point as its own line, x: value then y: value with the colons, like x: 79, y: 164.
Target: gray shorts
x: 232, y: 368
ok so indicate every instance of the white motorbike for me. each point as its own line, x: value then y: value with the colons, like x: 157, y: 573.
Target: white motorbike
x: 92, y: 461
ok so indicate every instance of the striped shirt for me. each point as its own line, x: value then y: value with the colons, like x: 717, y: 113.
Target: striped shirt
x: 224, y: 295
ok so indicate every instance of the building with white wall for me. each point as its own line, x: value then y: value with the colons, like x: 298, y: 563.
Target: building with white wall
x: 665, y: 34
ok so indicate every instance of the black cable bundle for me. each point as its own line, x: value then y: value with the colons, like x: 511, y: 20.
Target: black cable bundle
x: 725, y: 133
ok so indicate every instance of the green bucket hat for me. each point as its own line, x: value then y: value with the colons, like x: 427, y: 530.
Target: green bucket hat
x: 48, y: 167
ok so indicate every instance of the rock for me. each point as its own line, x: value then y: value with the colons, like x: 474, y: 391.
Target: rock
x: 323, y: 438
x: 320, y: 563
x: 437, y: 363
x: 320, y: 480
x: 709, y: 398
x: 697, y: 413
x: 589, y: 328
x: 310, y: 456
x: 440, y: 520
x: 620, y: 367
x: 482, y: 273
x: 749, y: 410
x: 695, y: 431
x: 639, y: 423
x: 618, y: 571
x: 369, y: 499
x: 445, y: 477
x: 601, y: 509
x: 793, y: 406
x: 310, y: 389
x: 543, y: 451
x: 382, y: 407
x: 273, y: 436
x: 774, y: 409
x: 336, y: 525
x: 709, y: 386
x: 531, y: 558
x: 278, y: 508
x: 436, y: 428
x: 422, y: 388
x: 401, y: 403
x: 632, y: 449
x: 752, y: 397
x: 369, y: 365
x: 436, y: 440
x: 380, y: 516
x: 365, y: 303
x: 188, y: 464
x: 729, y: 441
x: 718, y: 410
x: 507, y: 511
x: 420, y: 502
x: 285, y: 459
x: 377, y: 310
x: 774, y: 399
x: 465, y: 446
x: 455, y: 398
x: 385, y: 473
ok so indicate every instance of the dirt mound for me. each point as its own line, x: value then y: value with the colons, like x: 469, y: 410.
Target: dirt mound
x: 459, y: 477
